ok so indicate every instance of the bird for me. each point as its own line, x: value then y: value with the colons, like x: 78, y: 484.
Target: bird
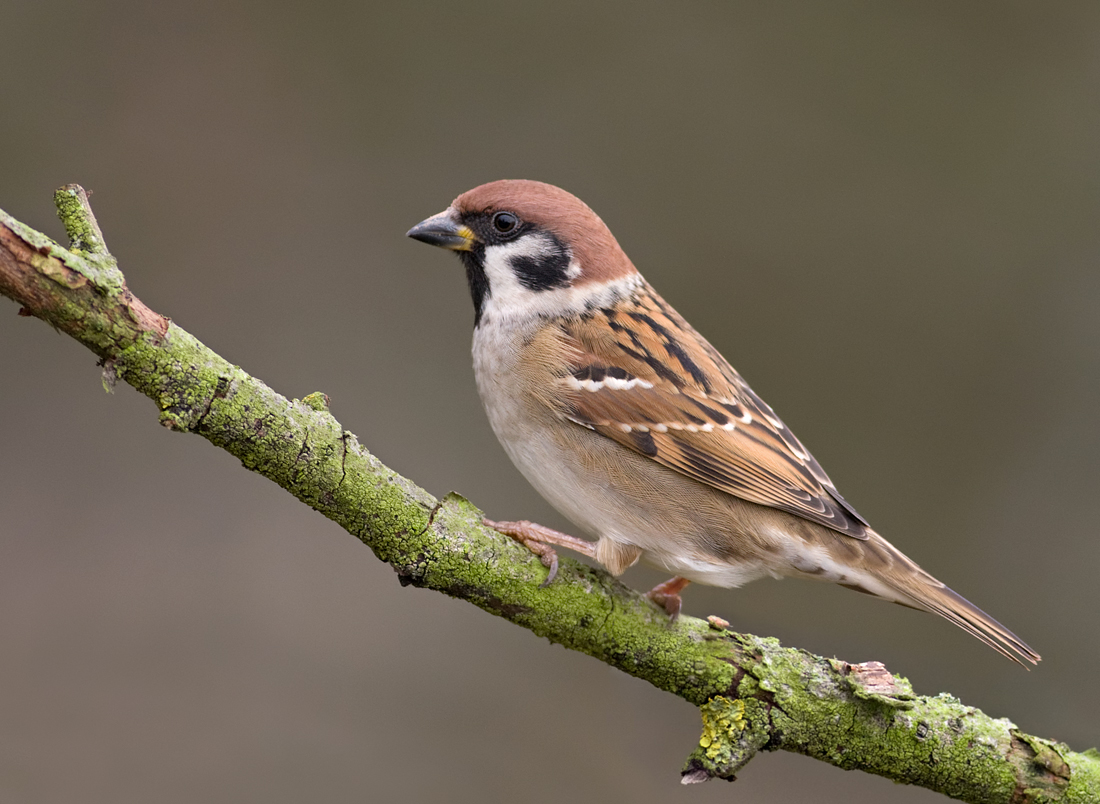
x: 639, y: 432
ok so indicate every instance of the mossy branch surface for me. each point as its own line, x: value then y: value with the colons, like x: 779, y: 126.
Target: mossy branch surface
x: 753, y: 693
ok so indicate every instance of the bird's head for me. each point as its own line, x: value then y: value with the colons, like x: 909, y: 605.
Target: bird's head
x: 530, y: 249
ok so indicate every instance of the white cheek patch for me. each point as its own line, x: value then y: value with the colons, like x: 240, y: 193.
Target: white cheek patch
x: 510, y: 300
x: 505, y: 289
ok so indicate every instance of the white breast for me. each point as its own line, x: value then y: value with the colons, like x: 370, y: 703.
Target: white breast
x: 524, y: 427
x: 567, y: 464
x: 546, y: 452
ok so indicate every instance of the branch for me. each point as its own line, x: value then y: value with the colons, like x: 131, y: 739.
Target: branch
x: 753, y: 693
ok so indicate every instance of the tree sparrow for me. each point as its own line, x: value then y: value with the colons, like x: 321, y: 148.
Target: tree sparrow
x: 634, y: 427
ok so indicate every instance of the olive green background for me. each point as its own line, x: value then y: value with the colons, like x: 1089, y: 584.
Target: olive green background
x: 885, y: 215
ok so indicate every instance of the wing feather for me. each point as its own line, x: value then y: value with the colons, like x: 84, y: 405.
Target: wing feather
x: 643, y: 377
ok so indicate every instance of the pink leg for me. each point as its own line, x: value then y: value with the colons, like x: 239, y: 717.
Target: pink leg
x: 538, y: 539
x: 667, y: 595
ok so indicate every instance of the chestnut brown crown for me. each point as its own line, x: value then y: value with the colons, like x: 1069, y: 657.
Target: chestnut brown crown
x: 552, y: 209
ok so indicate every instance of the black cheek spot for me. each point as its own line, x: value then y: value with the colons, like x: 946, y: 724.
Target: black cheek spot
x: 546, y: 271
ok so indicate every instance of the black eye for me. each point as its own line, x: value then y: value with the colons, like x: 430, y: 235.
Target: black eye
x: 505, y: 222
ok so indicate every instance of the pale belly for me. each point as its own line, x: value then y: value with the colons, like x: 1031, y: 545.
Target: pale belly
x: 567, y: 465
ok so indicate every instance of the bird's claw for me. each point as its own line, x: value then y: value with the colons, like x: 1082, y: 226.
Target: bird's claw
x: 520, y: 531
x: 667, y: 596
x: 670, y: 603
x: 550, y: 560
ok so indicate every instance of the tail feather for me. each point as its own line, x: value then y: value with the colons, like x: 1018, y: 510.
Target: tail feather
x: 955, y: 608
x: 884, y: 571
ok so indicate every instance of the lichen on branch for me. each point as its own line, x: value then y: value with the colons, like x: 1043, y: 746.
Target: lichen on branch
x: 753, y: 693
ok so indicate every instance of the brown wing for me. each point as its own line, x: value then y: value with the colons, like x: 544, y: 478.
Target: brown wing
x: 643, y: 377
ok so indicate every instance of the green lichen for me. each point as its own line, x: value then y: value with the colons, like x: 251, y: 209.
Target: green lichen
x: 754, y: 692
x: 79, y: 222
x: 1084, y: 782
x: 723, y: 722
x: 733, y: 731
x: 316, y: 401
x: 935, y: 742
x: 48, y: 248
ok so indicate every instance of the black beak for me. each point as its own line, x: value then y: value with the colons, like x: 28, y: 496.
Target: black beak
x: 444, y: 231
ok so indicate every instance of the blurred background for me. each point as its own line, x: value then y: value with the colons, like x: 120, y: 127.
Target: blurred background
x: 885, y: 215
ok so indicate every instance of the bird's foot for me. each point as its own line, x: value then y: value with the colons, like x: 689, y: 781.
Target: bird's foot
x: 667, y: 595
x: 538, y: 538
